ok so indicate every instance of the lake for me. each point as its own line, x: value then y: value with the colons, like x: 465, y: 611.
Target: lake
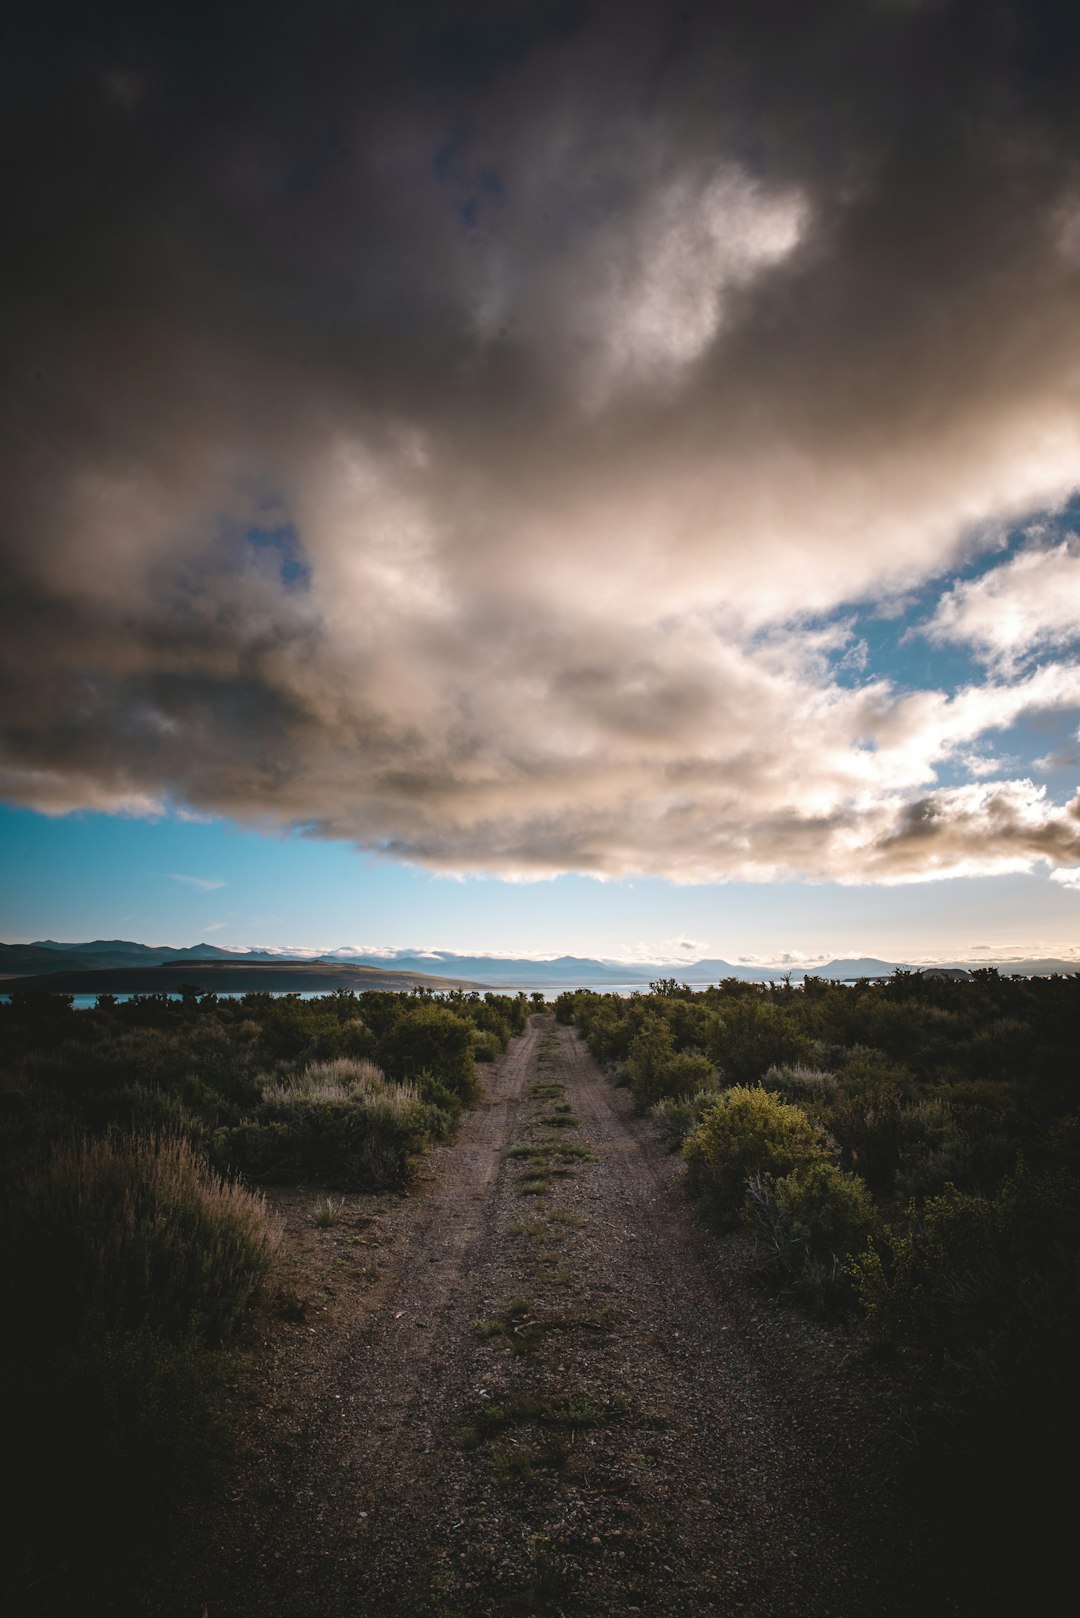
x: 84, y: 1002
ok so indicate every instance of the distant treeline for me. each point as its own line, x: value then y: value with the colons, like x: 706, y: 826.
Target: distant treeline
x: 908, y: 1152
x: 133, y: 1140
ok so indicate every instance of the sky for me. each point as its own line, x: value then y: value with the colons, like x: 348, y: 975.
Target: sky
x: 544, y: 476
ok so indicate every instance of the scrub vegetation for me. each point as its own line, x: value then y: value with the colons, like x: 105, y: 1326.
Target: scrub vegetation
x: 907, y: 1152
x: 896, y: 1163
x: 137, y: 1247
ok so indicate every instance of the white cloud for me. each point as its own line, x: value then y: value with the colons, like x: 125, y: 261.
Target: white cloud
x: 981, y: 765
x: 1028, y: 605
x: 205, y: 884
x: 670, y: 951
x: 994, y: 827
x: 792, y: 958
x: 1067, y: 876
x: 656, y: 285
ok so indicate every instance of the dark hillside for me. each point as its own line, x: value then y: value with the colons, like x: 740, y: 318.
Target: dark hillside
x: 47, y: 956
x: 230, y: 977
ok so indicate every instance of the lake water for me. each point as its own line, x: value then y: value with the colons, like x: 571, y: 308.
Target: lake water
x: 84, y: 1002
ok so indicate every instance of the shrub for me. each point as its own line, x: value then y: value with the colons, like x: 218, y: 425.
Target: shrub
x: 487, y: 1047
x: 868, y: 1125
x: 810, y: 1086
x: 138, y: 1110
x: 862, y: 1106
x: 675, y: 1116
x: 349, y: 1074
x: 748, y: 1132
x: 442, y: 1107
x: 982, y: 1294
x: 609, y: 1030
x: 199, y: 1062
x: 564, y: 1007
x: 978, y: 1299
x: 431, y: 1037
x: 495, y: 1016
x: 339, y: 1122
x: 131, y: 1260
x: 752, y: 1034
x: 687, y: 1073
x: 937, y: 1152
x: 655, y: 1069
x: 138, y: 1233
x: 807, y: 1225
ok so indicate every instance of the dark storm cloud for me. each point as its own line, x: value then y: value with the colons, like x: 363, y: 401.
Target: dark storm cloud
x: 427, y: 424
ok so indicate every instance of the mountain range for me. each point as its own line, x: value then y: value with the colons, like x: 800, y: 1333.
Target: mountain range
x: 125, y: 961
x: 568, y: 971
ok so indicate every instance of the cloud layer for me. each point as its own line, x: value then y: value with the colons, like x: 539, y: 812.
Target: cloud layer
x: 461, y: 433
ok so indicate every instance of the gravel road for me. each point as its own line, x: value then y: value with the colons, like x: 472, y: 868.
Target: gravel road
x: 538, y: 1384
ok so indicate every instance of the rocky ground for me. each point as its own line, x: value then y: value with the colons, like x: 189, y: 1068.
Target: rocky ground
x: 538, y: 1384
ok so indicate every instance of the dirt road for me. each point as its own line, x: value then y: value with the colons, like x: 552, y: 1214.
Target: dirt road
x: 538, y: 1384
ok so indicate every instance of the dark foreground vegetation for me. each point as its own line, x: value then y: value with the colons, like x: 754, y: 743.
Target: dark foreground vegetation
x: 905, y: 1156
x: 908, y: 1152
x: 134, y: 1139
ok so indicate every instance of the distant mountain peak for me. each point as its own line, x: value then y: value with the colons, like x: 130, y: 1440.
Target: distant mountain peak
x: 502, y: 971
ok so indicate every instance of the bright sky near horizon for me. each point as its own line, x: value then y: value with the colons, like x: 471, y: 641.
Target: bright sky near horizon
x: 545, y: 478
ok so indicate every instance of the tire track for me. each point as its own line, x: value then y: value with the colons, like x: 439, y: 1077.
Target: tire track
x: 332, y: 1515
x: 766, y: 1520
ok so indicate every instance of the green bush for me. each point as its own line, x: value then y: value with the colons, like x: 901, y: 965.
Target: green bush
x: 442, y: 1107
x: 978, y: 1300
x: 487, y: 1047
x: 203, y: 1062
x: 861, y: 1105
x: 754, y: 1033
x: 609, y: 1030
x: 975, y: 1292
x: 137, y: 1109
x: 686, y: 1074
x: 133, y: 1260
x: 496, y: 1017
x: 807, y: 1225
x: 565, y: 1007
x: 432, y: 1037
x: 655, y: 1069
x: 675, y: 1116
x: 748, y: 1131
